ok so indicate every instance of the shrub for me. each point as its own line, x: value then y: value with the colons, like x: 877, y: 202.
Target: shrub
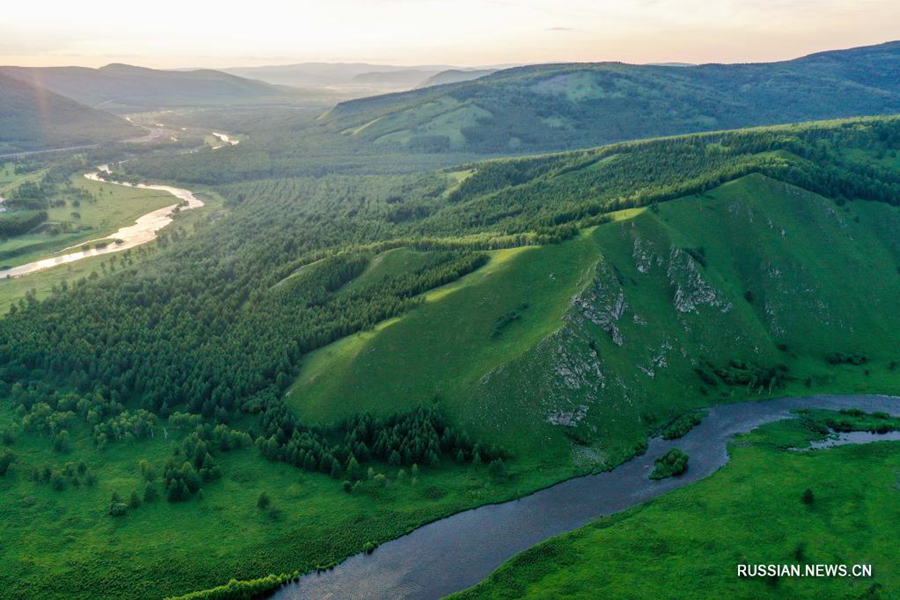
x: 150, y: 492
x: 263, y: 501
x: 671, y: 464
x: 7, y: 458
x: 497, y: 469
x: 808, y: 498
x: 680, y: 426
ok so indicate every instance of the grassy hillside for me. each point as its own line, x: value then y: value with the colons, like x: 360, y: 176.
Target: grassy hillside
x: 596, y: 342
x: 33, y: 118
x: 124, y: 88
x: 562, y: 106
x: 688, y: 543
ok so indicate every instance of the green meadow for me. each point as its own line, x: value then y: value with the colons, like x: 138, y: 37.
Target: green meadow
x: 755, y: 510
x: 162, y: 548
x: 129, y: 206
x: 107, y: 208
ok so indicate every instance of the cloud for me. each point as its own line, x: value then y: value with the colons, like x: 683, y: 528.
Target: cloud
x: 561, y: 29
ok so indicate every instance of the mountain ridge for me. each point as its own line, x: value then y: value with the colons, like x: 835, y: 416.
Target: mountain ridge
x: 564, y: 106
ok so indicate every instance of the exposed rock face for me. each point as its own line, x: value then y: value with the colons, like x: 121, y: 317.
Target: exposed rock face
x: 603, y: 303
x: 691, y: 288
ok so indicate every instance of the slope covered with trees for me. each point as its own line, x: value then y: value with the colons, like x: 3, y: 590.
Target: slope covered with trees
x: 33, y: 118
x: 553, y: 107
x: 124, y: 88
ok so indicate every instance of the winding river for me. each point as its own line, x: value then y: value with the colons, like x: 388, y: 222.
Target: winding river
x: 143, y: 230
x: 457, y: 552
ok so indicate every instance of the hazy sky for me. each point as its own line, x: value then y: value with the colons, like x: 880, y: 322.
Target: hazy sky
x: 187, y: 33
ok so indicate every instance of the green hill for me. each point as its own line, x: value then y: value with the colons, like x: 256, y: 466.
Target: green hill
x: 561, y: 106
x: 455, y: 76
x: 119, y: 87
x: 743, y: 290
x: 32, y: 118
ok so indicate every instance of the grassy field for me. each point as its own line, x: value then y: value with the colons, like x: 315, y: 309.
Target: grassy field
x: 41, y: 283
x: 688, y: 543
x: 588, y: 340
x: 162, y: 548
x: 111, y: 207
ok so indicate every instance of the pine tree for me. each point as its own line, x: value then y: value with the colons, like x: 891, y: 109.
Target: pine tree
x: 149, y: 492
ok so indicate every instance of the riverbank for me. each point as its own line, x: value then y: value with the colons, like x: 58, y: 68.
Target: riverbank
x: 459, y: 551
x: 143, y: 230
x: 773, y: 503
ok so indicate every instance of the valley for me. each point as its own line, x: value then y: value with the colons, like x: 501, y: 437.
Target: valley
x: 554, y: 330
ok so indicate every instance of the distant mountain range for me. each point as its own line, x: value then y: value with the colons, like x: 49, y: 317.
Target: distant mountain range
x: 455, y: 76
x: 375, y: 77
x: 337, y: 74
x: 124, y: 88
x: 33, y: 118
x: 560, y: 106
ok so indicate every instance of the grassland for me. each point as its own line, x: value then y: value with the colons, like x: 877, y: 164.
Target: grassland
x: 111, y: 207
x: 688, y: 543
x: 67, y: 545
x: 126, y: 205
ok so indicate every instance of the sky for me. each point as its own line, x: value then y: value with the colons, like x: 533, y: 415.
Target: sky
x: 200, y: 33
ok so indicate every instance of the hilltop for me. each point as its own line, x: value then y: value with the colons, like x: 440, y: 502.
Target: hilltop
x: 563, y: 106
x: 33, y: 118
x: 123, y: 88
x: 455, y: 76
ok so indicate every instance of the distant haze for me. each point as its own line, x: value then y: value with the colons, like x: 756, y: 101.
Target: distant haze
x: 178, y: 34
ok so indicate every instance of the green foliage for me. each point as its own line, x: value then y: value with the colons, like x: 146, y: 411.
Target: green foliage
x: 808, y: 497
x: 7, y: 458
x: 841, y: 358
x: 263, y: 502
x: 32, y: 118
x: 20, y: 222
x: 201, y: 342
x: 683, y: 424
x: 671, y: 464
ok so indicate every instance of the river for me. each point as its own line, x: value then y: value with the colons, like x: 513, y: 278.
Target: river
x: 457, y: 552
x: 226, y: 141
x: 143, y: 230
